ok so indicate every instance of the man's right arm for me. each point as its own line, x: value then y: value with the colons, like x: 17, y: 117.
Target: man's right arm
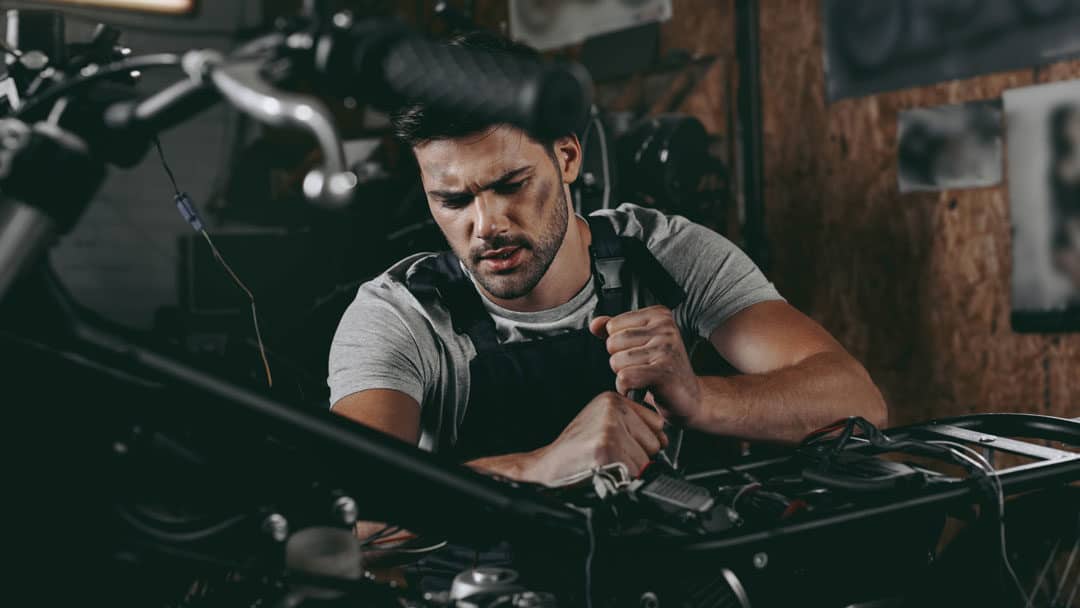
x: 397, y: 414
x: 611, y: 428
x: 392, y: 412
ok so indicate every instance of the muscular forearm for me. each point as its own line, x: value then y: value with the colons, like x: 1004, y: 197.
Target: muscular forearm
x: 521, y: 466
x: 610, y: 428
x: 786, y: 404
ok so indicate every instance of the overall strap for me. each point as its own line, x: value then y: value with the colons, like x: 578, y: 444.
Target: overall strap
x: 442, y: 277
x: 652, y: 273
x: 612, y: 274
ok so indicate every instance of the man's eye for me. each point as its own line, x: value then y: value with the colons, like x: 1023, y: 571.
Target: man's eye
x: 509, y: 188
x: 456, y: 202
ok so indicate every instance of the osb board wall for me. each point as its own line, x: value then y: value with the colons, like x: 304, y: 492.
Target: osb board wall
x: 917, y: 285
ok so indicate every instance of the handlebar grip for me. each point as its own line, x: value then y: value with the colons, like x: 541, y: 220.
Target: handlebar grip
x: 546, y: 100
x: 162, y: 110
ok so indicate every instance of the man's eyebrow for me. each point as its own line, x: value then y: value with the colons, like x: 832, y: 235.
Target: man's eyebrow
x: 505, y: 177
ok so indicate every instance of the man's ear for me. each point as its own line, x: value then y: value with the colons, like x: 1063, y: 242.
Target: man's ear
x: 568, y: 157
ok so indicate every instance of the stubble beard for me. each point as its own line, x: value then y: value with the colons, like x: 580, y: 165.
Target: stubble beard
x: 521, y: 280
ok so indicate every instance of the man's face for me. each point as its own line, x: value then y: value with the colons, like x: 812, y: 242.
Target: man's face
x: 499, y: 199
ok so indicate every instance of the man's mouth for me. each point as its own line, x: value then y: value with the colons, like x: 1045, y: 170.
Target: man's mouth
x: 499, y: 254
x: 502, y: 259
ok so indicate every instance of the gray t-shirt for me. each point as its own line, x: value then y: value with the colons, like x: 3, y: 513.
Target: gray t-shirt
x: 390, y: 340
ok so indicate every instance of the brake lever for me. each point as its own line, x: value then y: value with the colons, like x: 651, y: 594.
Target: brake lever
x: 240, y: 82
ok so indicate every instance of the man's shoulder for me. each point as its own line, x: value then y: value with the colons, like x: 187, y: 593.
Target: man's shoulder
x: 650, y: 225
x: 391, y: 288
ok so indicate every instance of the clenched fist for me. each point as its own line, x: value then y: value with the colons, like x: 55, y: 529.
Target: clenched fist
x: 611, y: 428
x: 647, y: 352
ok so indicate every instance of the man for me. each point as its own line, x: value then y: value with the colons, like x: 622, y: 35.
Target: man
x: 516, y: 352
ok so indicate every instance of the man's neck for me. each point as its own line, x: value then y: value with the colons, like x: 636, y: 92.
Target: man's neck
x: 569, y: 272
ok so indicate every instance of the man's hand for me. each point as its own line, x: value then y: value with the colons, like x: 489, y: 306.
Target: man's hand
x: 610, y: 429
x: 647, y: 352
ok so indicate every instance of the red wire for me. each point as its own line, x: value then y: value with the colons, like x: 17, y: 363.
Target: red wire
x: 392, y: 539
x: 835, y: 426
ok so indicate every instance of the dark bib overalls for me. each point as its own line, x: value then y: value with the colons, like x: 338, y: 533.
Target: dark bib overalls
x: 522, y: 395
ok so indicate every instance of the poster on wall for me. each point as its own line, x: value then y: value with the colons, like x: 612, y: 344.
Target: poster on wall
x: 550, y: 24
x: 1043, y: 134
x: 949, y: 147
x: 873, y: 46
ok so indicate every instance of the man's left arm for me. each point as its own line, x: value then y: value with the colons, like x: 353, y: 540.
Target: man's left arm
x: 795, y: 376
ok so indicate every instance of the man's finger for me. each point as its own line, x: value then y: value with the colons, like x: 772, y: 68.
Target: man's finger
x: 598, y: 326
x: 636, y: 376
x: 622, y: 359
x: 633, y: 457
x: 645, y: 436
x: 648, y: 416
x: 637, y: 318
x: 628, y: 338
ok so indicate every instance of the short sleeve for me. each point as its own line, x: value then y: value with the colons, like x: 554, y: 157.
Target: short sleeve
x: 376, y: 345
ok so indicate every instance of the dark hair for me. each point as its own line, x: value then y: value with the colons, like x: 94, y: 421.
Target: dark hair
x: 418, y: 123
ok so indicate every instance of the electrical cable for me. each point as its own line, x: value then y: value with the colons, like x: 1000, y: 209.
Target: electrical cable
x: 1065, y: 575
x: 980, y: 463
x: 380, y: 533
x: 178, y: 537
x: 416, y: 550
x: 1043, y: 572
x: 188, y: 211
x: 392, y: 539
x: 743, y: 490
x: 589, y: 557
x: 165, y: 165
x: 964, y: 454
x: 606, y: 204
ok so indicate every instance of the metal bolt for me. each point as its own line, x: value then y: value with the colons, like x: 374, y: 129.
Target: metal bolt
x: 300, y: 40
x: 343, y: 20
x: 761, y: 560
x: 345, y: 510
x: 342, y: 183
x: 34, y: 60
x: 532, y: 599
x: 649, y: 600
x: 276, y: 527
x: 987, y: 439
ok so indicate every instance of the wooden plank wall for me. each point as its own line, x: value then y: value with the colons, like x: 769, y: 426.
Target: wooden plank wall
x: 917, y: 285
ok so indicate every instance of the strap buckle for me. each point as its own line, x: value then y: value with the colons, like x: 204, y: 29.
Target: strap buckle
x: 609, y: 271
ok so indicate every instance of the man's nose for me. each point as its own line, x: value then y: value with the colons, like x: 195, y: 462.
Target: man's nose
x: 490, y: 217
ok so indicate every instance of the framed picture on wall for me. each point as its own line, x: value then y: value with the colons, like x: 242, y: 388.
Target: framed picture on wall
x: 949, y: 147
x: 1043, y: 135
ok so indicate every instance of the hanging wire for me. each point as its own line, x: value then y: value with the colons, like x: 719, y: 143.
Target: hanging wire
x: 187, y: 209
x: 975, y: 458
